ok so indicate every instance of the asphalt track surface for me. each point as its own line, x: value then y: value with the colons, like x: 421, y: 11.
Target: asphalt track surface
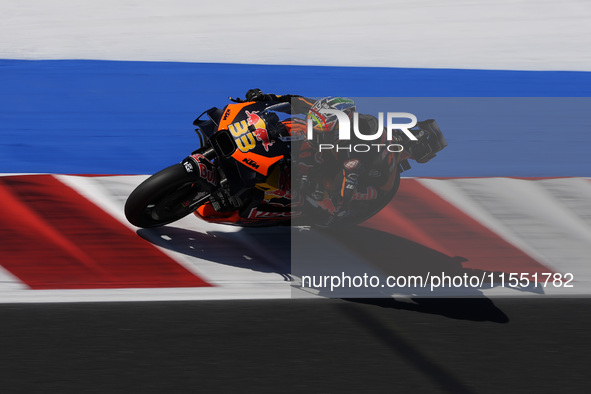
x: 363, y: 345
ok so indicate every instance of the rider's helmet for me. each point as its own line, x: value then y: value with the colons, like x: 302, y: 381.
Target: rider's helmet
x: 325, y: 125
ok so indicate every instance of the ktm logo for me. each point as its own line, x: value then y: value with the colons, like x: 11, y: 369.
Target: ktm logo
x: 250, y: 162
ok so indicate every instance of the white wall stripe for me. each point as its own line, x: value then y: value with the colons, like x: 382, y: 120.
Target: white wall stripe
x: 526, y: 215
x: 547, y: 219
x: 499, y: 34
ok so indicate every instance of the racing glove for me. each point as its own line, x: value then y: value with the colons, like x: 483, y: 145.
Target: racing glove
x: 258, y: 95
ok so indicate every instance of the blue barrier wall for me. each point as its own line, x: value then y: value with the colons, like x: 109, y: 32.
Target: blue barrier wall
x: 110, y: 117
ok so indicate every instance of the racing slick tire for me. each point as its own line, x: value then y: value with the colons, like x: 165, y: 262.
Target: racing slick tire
x: 165, y: 197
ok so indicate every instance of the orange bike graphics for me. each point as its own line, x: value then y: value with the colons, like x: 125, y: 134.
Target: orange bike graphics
x: 246, y: 133
x: 230, y: 114
x: 207, y: 213
x: 259, y: 163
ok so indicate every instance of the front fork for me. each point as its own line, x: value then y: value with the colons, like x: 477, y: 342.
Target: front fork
x: 200, y: 166
x: 212, y: 179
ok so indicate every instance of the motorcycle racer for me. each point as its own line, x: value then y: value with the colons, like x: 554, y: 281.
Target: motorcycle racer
x: 261, y: 162
x: 333, y: 180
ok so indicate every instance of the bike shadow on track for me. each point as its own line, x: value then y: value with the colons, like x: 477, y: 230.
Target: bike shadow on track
x: 265, y: 250
x: 270, y: 250
x: 473, y: 309
x: 397, y: 256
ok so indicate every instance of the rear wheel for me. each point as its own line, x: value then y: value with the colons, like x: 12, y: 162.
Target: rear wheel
x: 165, y: 197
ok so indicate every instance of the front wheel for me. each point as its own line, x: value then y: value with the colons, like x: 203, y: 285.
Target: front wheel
x: 165, y: 197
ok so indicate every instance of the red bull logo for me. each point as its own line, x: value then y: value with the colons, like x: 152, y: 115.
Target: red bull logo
x: 277, y: 193
x: 206, y: 170
x: 370, y: 194
x: 254, y: 119
x: 260, y: 132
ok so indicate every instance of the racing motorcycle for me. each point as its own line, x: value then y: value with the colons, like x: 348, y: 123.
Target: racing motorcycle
x: 253, y: 169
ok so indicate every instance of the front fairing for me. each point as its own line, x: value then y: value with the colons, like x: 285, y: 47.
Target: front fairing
x: 254, y: 129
